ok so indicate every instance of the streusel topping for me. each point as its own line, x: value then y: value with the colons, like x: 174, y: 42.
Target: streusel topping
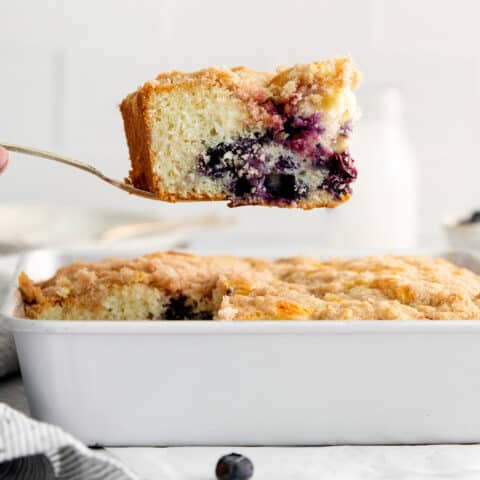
x: 178, y: 285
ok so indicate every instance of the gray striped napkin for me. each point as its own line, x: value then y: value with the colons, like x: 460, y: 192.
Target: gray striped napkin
x: 31, y: 450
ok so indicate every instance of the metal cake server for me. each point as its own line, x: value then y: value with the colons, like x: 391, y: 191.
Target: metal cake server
x: 77, y: 164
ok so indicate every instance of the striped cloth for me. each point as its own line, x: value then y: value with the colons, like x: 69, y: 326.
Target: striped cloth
x: 31, y: 450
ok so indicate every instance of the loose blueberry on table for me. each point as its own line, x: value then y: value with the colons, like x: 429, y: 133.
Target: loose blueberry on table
x: 234, y: 466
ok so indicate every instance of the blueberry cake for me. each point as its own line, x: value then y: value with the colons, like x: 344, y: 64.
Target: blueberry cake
x: 178, y: 286
x: 248, y: 137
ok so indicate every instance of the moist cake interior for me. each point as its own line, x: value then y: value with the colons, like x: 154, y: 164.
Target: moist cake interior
x: 280, y: 166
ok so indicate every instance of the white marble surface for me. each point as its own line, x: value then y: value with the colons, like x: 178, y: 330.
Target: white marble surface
x: 311, y: 463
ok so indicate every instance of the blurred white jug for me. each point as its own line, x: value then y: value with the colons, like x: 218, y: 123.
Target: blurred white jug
x: 382, y: 212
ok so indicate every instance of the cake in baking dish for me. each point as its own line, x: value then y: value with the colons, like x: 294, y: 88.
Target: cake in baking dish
x: 248, y: 137
x: 177, y: 286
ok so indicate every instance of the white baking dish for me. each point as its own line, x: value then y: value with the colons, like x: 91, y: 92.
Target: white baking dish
x: 255, y: 383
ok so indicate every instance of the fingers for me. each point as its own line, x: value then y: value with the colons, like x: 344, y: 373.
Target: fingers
x: 3, y: 159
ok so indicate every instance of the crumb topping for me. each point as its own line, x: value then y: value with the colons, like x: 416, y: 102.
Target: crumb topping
x: 177, y: 285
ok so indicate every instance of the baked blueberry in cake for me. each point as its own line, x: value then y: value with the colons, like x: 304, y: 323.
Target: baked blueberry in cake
x: 248, y: 137
x: 178, y: 286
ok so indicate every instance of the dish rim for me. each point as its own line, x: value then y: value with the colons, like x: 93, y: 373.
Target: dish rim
x: 257, y: 327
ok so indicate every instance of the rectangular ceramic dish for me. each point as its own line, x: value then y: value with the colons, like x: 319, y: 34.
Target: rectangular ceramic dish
x: 255, y: 383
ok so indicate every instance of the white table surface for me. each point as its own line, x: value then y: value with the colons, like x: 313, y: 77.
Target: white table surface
x: 311, y: 463
x: 455, y: 462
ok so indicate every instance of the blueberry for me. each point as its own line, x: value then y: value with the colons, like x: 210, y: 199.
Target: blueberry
x: 341, y: 173
x: 216, y: 163
x: 295, y: 126
x: 279, y: 185
x: 298, y: 125
x: 178, y: 308
x: 284, y: 186
x: 336, y: 185
x: 213, y: 163
x: 246, y: 145
x: 242, y: 187
x: 234, y: 467
x: 286, y: 162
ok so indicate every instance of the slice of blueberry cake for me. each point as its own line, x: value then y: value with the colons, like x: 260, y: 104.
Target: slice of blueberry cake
x: 248, y: 137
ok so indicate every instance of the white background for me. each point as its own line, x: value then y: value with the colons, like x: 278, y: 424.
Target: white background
x: 65, y: 66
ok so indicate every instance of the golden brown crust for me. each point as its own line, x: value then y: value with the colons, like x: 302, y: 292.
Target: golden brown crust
x: 304, y: 204
x: 31, y: 293
x: 335, y: 73
x: 234, y: 79
x: 328, y: 75
x: 137, y: 130
x: 234, y: 288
